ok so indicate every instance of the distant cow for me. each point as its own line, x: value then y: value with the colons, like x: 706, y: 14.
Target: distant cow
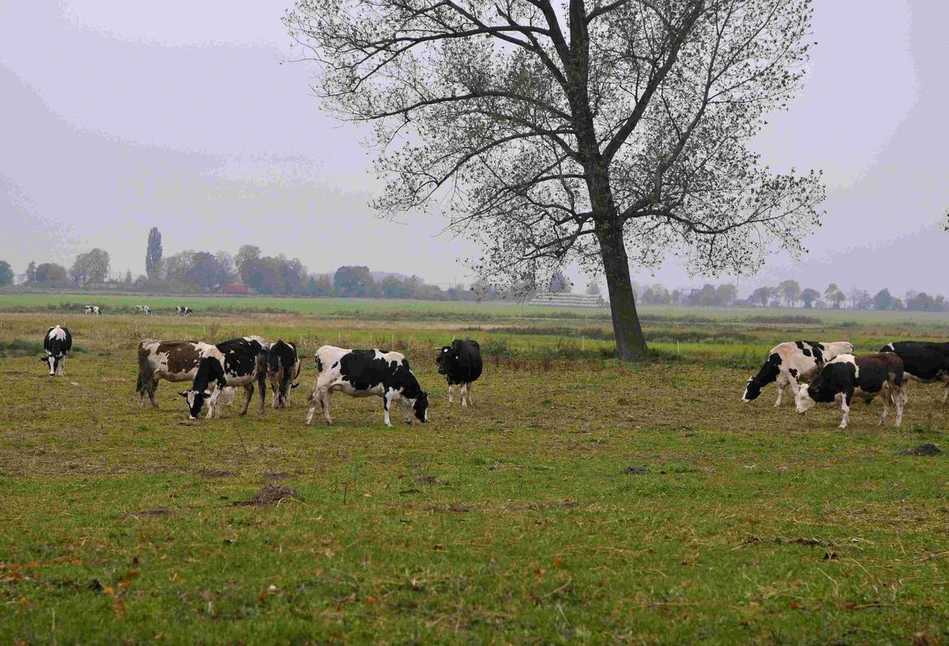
x: 183, y: 310
x: 239, y: 362
x: 923, y: 361
x: 461, y: 364
x: 57, y: 343
x: 360, y: 373
x: 93, y: 309
x: 169, y: 360
x: 143, y: 309
x: 283, y: 367
x: 845, y: 375
x: 791, y: 362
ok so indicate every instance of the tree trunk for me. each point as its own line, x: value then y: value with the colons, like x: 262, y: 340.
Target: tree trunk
x: 630, y: 341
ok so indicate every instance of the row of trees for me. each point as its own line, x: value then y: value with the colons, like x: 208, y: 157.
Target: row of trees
x: 88, y: 268
x: 789, y: 294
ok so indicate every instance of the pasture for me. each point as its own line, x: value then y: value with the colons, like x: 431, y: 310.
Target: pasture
x: 580, y: 500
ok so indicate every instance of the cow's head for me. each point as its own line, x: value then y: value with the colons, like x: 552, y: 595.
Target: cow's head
x: 446, y: 359
x: 195, y: 401
x: 53, y: 362
x: 804, y: 400
x: 752, y: 390
x: 420, y: 406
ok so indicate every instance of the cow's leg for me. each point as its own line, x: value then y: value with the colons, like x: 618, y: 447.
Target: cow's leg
x: 887, y: 400
x: 945, y: 393
x: 900, y: 402
x: 248, y: 395
x: 451, y: 393
x: 781, y: 382
x: 152, y: 388
x: 385, y: 407
x: 845, y: 407
x: 468, y: 392
x: 262, y: 387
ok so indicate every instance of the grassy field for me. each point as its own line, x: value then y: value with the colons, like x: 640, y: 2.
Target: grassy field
x: 581, y: 499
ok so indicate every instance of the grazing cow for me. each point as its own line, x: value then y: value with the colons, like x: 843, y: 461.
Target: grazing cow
x: 846, y: 374
x: 283, y: 367
x: 93, y: 309
x: 143, y: 309
x: 360, y: 373
x: 57, y: 343
x: 169, y: 360
x: 461, y: 364
x: 923, y: 361
x: 183, y: 310
x: 791, y: 362
x: 239, y: 362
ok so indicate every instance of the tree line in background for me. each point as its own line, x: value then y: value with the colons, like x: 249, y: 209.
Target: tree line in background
x: 790, y: 294
x: 249, y: 271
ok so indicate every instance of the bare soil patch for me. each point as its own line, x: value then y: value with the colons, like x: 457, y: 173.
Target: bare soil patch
x: 269, y: 494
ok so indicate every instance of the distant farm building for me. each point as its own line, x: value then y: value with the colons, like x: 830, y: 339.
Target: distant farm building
x: 236, y: 288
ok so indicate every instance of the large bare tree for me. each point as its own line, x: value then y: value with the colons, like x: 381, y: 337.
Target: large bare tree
x: 603, y: 132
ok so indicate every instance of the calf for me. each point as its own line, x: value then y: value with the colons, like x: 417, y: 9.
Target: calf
x: 239, y: 362
x: 183, y: 310
x: 283, y: 367
x: 923, y: 361
x: 143, y: 309
x: 461, y: 364
x: 93, y: 309
x: 791, y: 362
x: 57, y: 343
x: 846, y: 374
x: 169, y: 360
x: 360, y: 373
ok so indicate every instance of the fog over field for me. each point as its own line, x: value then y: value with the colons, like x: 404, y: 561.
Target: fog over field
x: 117, y: 119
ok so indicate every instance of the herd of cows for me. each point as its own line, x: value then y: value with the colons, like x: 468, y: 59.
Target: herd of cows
x: 836, y: 374
x: 815, y: 372
x: 215, y: 370
x: 181, y: 310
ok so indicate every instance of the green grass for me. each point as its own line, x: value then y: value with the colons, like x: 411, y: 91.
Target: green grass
x: 581, y: 500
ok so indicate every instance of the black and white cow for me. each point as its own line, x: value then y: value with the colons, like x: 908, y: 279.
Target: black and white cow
x: 169, y: 360
x: 283, y: 367
x: 361, y: 373
x: 461, y: 364
x: 791, y: 362
x: 846, y: 375
x: 183, y: 310
x: 239, y: 362
x: 93, y: 309
x: 57, y: 343
x: 143, y: 309
x: 923, y: 361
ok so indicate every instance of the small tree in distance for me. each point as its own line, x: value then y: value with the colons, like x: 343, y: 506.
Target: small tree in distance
x: 153, y: 255
x: 560, y: 284
x: 789, y: 291
x: 809, y: 295
x: 6, y: 273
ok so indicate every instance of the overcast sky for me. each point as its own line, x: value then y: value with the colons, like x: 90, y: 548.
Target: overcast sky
x: 118, y: 116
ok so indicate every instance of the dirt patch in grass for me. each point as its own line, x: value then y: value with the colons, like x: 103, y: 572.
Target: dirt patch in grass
x: 278, y: 475
x: 269, y: 494
x: 924, y: 449
x: 429, y: 480
x: 145, y: 513
x: 636, y: 471
x: 216, y: 473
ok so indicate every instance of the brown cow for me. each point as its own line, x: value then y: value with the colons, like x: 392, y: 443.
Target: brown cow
x: 168, y: 360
